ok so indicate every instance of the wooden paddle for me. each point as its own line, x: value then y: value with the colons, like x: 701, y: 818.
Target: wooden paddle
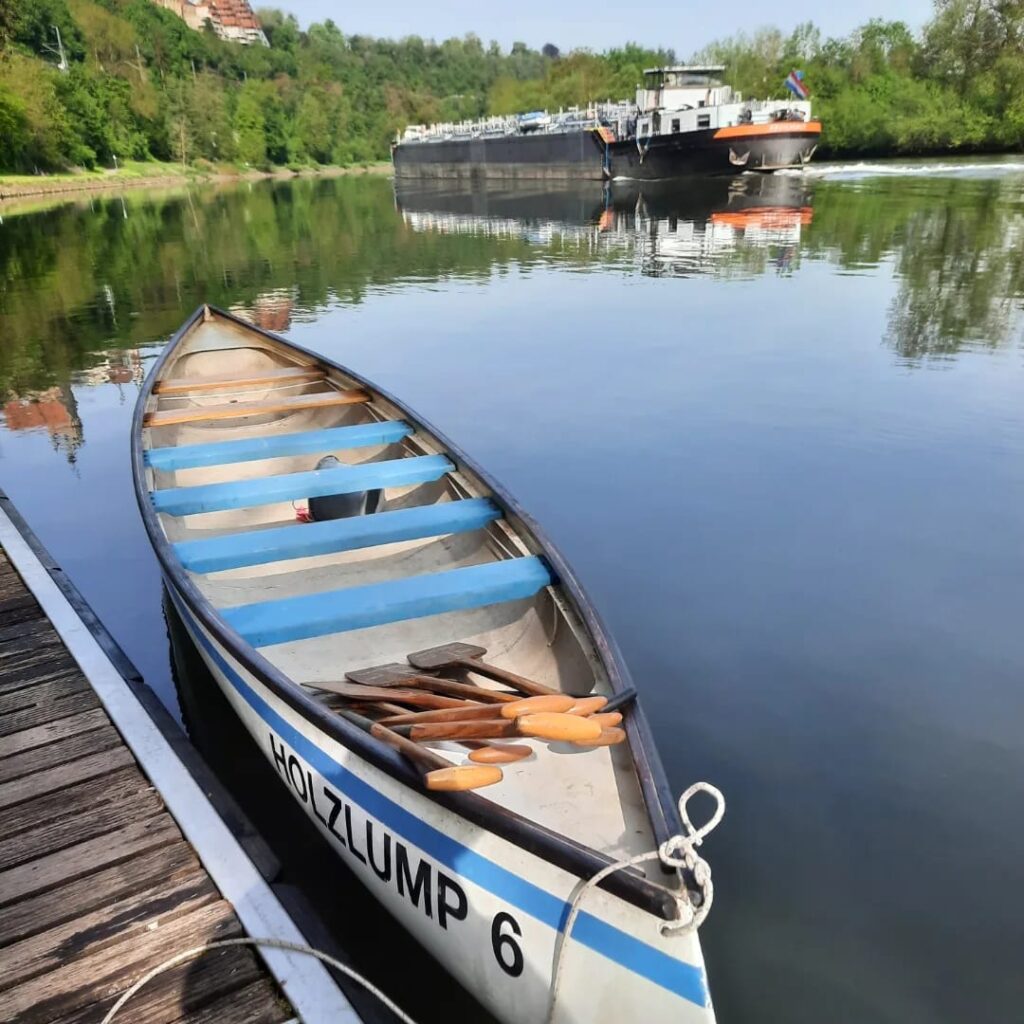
x: 526, y: 706
x: 439, y: 774
x: 396, y: 674
x: 542, y: 725
x: 466, y: 656
x: 370, y: 694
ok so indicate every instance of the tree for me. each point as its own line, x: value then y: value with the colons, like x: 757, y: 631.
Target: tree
x: 249, y: 126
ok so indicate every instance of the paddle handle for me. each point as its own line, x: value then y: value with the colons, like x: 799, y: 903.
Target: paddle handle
x: 439, y: 774
x: 502, y: 675
x: 463, y: 714
x: 494, y: 728
x: 413, y: 751
x: 511, y: 709
x: 361, y: 692
x: 420, y: 755
x: 470, y: 691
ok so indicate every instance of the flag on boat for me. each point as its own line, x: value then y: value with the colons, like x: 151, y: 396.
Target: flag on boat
x: 795, y: 84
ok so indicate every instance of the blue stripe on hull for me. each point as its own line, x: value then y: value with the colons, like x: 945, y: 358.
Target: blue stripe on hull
x: 682, y: 979
x: 302, y: 541
x: 267, y: 490
x: 413, y: 597
x: 251, y: 449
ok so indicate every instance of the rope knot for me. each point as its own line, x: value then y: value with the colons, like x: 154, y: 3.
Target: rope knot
x: 681, y: 852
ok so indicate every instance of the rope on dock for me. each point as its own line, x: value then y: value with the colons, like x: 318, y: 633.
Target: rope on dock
x: 677, y: 852
x: 291, y: 947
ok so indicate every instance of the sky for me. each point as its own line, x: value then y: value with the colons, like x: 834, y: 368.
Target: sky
x: 681, y: 25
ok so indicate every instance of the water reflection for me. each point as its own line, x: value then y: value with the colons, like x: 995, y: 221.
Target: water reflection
x: 53, y: 410
x: 722, y: 226
x: 102, y: 275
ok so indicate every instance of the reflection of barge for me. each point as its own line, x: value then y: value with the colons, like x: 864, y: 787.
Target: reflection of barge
x: 684, y: 121
x: 671, y: 229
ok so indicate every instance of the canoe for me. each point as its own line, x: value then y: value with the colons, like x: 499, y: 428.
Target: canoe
x: 239, y: 439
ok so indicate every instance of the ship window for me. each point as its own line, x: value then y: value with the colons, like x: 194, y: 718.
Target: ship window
x: 703, y: 120
x: 675, y: 124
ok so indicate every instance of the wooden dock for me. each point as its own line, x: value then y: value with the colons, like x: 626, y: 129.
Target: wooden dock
x: 98, y: 884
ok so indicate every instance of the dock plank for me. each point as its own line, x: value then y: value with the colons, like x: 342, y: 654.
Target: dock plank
x: 75, y: 861
x: 104, y: 928
x: 209, y: 983
x: 25, y: 630
x: 97, y: 883
x: 102, y: 974
x: 51, y: 732
x: 55, y: 906
x: 40, y: 684
x: 252, y: 1005
x: 61, y: 707
x: 123, y: 784
x: 42, y: 758
x: 63, y: 775
x: 86, y: 823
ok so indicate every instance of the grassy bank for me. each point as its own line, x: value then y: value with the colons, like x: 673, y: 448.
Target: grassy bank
x: 156, y: 174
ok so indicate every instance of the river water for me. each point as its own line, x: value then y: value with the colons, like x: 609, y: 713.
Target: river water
x: 775, y: 424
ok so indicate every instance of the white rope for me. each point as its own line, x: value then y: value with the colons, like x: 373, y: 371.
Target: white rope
x: 292, y: 947
x: 677, y: 852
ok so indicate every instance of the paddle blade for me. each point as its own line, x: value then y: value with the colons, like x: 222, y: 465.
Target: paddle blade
x: 607, y: 719
x: 532, y: 705
x: 548, y: 726
x: 587, y: 705
x: 501, y: 753
x: 462, y: 777
x: 606, y: 738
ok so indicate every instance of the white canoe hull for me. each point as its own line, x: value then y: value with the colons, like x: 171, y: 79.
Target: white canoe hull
x: 487, y: 909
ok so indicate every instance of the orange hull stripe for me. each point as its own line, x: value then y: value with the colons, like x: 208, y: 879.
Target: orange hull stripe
x: 752, y: 131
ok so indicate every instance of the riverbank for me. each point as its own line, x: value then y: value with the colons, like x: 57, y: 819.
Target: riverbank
x: 159, y: 175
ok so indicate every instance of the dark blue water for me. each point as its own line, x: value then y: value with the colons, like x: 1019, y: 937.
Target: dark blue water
x: 775, y: 425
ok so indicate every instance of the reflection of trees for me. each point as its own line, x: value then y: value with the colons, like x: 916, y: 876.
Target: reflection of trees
x: 100, y: 274
x: 955, y: 243
x: 962, y: 274
x: 105, y: 274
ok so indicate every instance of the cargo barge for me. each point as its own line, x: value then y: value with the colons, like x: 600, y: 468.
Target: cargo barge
x: 683, y: 121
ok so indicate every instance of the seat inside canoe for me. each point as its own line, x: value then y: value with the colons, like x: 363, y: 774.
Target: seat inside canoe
x: 437, y: 561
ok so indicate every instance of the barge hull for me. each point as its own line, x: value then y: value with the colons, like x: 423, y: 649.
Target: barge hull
x: 584, y: 155
x: 564, y: 155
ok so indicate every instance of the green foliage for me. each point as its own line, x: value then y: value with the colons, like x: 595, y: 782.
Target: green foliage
x: 142, y: 84
x: 882, y: 91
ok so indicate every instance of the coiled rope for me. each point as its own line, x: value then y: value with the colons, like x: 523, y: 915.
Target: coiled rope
x: 677, y: 852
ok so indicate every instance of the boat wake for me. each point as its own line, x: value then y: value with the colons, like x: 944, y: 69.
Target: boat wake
x: 876, y: 169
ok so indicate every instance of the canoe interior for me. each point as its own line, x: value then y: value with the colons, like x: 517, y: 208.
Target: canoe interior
x: 589, y: 795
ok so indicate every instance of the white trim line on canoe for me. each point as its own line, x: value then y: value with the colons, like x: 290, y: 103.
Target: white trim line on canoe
x: 306, y: 983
